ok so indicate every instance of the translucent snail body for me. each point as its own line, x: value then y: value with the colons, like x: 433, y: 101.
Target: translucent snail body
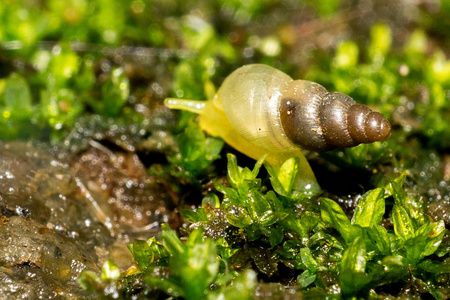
x: 260, y: 110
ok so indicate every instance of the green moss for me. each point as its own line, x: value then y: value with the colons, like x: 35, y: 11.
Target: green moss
x: 359, y: 252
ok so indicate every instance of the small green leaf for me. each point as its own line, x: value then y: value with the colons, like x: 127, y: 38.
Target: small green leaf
x: 381, y: 39
x: 354, y: 257
x: 233, y: 172
x: 254, y: 232
x: 435, y: 267
x: 193, y: 265
x: 268, y: 218
x: 427, y: 240
x: 257, y: 166
x: 16, y: 94
x: 308, y: 260
x: 246, y: 174
x: 306, y: 278
x: 191, y: 143
x: 171, y: 242
x: 275, y: 235
x: 141, y: 253
x: 403, y: 225
x: 196, y: 237
x: 239, y: 217
x: 188, y: 81
x: 224, y: 249
x: 346, y: 55
x: 399, y: 181
x: 200, y: 270
x: 276, y: 183
x: 147, y: 252
x: 370, y: 209
x: 110, y: 271
x: 196, y: 152
x: 212, y: 200
x: 333, y: 215
x: 416, y: 44
x: 194, y: 216
x: 322, y: 238
x: 64, y: 65
x: 89, y: 281
x: 378, y: 235
x: 257, y: 204
x: 213, y: 146
x: 353, y: 264
x: 287, y: 173
x: 308, y: 222
x: 294, y: 224
x: 241, y: 288
x: 433, y: 233
x: 433, y: 290
x: 415, y: 249
x: 400, y: 196
x: 115, y: 92
x: 227, y: 191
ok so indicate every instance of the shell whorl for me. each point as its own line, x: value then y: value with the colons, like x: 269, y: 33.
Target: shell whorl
x: 318, y: 120
x: 250, y: 99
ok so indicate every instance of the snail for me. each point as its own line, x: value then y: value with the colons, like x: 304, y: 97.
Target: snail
x: 260, y: 110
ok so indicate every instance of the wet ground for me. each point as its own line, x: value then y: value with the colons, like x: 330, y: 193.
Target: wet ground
x: 62, y: 215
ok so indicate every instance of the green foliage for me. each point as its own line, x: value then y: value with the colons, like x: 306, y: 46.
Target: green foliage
x: 62, y: 85
x: 104, y: 285
x: 284, y: 180
x: 360, y: 252
x: 16, y: 94
x: 191, y: 269
x: 15, y: 105
x: 147, y: 252
x: 115, y: 93
x: 412, y: 240
x: 194, y: 266
x: 353, y: 265
x: 196, y: 152
x: 370, y: 209
x: 249, y: 209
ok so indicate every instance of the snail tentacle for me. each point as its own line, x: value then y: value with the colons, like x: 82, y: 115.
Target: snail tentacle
x: 195, y: 106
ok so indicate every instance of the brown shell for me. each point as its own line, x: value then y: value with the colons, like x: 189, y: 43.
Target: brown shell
x: 317, y: 120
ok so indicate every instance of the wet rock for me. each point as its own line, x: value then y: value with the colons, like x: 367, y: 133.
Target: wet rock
x: 131, y: 204
x: 37, y: 262
x: 32, y: 180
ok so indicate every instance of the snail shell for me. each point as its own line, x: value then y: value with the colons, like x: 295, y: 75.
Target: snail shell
x: 273, y: 111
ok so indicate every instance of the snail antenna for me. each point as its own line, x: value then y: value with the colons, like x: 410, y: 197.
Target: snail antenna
x: 195, y: 106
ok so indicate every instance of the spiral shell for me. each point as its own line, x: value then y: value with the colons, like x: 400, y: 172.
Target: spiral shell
x: 250, y: 98
x: 318, y: 120
x: 273, y: 111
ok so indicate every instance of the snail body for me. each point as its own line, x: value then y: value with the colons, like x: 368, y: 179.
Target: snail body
x: 260, y: 110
